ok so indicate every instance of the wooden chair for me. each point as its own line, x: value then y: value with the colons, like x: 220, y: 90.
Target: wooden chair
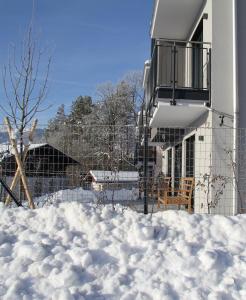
x: 181, y: 196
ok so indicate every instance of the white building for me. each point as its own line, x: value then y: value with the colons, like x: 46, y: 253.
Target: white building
x: 100, y: 180
x: 195, y: 99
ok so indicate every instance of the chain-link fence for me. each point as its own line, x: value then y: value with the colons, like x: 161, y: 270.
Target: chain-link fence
x: 197, y: 169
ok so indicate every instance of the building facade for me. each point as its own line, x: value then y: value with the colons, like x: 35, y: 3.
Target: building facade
x: 195, y: 100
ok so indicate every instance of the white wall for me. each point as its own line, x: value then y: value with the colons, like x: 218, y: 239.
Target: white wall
x: 218, y: 30
x: 222, y: 56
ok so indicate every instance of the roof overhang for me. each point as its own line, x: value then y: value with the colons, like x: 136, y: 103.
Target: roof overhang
x: 174, y: 19
x: 181, y: 115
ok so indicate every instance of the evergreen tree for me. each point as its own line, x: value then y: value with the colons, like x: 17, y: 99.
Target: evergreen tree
x: 57, y: 130
x: 82, y: 107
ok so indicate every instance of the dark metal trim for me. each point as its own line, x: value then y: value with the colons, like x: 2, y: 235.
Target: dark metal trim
x: 174, y: 51
x: 209, y: 76
x: 183, y: 94
x: 11, y: 194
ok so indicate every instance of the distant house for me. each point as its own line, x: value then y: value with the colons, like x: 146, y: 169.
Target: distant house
x: 102, y: 180
x: 47, y: 169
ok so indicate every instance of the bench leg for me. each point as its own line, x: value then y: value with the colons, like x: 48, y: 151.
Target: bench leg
x: 189, y: 208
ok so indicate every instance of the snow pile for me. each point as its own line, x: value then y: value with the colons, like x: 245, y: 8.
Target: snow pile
x: 78, y: 251
x: 56, y: 198
x: 87, y: 196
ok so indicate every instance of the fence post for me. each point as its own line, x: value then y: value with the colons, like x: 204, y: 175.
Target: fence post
x: 146, y: 137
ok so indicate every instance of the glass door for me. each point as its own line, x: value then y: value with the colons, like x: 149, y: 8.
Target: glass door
x: 197, y: 58
x: 190, y: 157
x: 178, y: 165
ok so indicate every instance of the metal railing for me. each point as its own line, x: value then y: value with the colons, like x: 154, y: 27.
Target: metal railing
x: 178, y: 65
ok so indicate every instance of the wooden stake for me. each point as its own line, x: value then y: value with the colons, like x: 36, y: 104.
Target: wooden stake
x: 17, y: 174
x: 19, y: 163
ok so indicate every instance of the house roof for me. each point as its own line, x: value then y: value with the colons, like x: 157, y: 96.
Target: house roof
x: 109, y: 176
x: 7, y: 151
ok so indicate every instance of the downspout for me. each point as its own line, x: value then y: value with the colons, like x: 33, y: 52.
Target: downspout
x: 235, y: 109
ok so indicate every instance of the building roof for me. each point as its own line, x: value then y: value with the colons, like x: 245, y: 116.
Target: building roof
x: 6, y: 150
x: 9, y: 149
x: 109, y: 176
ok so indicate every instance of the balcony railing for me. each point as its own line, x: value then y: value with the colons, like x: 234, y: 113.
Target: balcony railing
x: 179, y: 70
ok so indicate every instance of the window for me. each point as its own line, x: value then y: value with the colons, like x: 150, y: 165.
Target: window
x: 190, y: 156
x: 178, y: 164
x: 169, y: 163
x: 197, y: 58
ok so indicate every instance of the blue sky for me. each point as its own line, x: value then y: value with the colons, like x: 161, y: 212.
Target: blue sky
x: 91, y: 41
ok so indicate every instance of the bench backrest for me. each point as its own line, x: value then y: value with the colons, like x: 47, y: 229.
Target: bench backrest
x: 186, y: 187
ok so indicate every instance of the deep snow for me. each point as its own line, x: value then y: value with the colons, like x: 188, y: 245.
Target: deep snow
x: 80, y: 251
x: 88, y: 196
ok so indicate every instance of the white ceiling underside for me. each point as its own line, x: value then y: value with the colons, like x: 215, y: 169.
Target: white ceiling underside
x: 173, y: 19
x: 179, y: 116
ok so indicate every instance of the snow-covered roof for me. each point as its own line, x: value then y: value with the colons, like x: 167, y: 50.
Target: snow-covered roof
x: 109, y: 176
x: 9, y: 149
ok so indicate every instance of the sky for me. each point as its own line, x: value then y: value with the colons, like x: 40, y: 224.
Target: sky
x: 91, y: 42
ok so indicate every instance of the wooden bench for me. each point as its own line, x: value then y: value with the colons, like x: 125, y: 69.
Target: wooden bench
x: 181, y: 196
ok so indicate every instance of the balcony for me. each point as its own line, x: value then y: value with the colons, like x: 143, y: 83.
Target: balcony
x: 177, y: 89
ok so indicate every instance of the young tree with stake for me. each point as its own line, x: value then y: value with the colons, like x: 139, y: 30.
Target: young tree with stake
x: 25, y: 82
x: 25, y: 85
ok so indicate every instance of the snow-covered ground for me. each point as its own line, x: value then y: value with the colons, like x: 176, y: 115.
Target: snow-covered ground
x: 80, y: 251
x: 88, y: 196
x: 78, y: 195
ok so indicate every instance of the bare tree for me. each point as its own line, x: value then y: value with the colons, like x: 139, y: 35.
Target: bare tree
x: 122, y: 102
x: 25, y: 82
x: 134, y: 82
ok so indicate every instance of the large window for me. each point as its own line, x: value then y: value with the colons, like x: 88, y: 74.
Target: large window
x: 190, y: 157
x: 197, y: 58
x: 178, y: 164
x: 169, y: 163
